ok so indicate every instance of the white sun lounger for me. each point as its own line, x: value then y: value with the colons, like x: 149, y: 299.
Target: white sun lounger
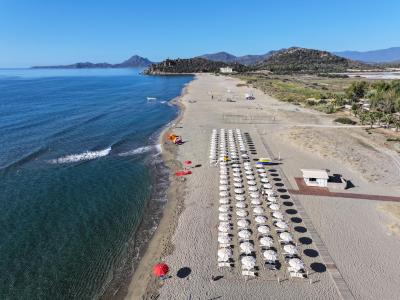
x: 248, y: 273
x: 224, y: 265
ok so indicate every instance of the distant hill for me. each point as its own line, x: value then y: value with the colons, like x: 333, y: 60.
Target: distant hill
x: 134, y: 62
x: 230, y: 58
x: 190, y: 65
x: 375, y: 56
x: 302, y: 60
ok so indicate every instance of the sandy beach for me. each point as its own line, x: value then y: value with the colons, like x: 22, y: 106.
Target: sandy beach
x: 350, y: 246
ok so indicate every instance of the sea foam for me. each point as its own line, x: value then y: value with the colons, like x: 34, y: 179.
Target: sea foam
x: 88, y: 155
x: 141, y: 150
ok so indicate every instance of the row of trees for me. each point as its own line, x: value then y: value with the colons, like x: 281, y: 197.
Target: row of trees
x: 376, y: 117
x: 383, y: 98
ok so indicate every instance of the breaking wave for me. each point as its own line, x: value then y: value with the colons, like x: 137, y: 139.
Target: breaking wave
x: 88, y: 155
x: 141, y: 150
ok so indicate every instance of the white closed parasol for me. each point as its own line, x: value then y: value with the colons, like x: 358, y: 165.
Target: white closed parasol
x: 266, y: 241
x: 224, y: 200
x: 274, y: 206
x: 224, y: 254
x: 241, y: 213
x: 224, y: 208
x: 240, y: 197
x: 237, y: 179
x: 223, y: 217
x: 244, y: 234
x: 296, y: 264
x: 224, y: 194
x: 223, y: 182
x: 243, y: 223
x: 224, y: 227
x: 270, y: 255
x: 270, y: 193
x: 223, y: 187
x: 239, y: 191
x: 248, y: 262
x: 290, y: 249
x: 246, y: 247
x: 253, y: 188
x: 224, y: 239
x: 241, y: 204
x: 277, y: 214
x: 263, y: 229
x: 266, y: 186
x: 256, y: 202
x: 254, y: 195
x: 286, y: 236
x: 260, y: 219
x: 281, y: 224
x: 258, y: 210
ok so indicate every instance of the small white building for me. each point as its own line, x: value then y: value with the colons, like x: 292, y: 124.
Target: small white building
x: 315, y: 177
x: 226, y: 70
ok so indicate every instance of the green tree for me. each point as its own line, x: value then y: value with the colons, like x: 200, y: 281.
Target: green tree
x: 357, y: 90
x: 371, y: 118
x: 388, y: 119
x: 379, y: 116
x: 363, y: 116
x: 354, y: 109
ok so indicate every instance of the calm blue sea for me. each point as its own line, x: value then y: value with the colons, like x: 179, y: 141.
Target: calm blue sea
x: 78, y: 149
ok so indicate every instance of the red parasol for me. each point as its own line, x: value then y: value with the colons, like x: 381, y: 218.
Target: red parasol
x: 187, y: 162
x: 160, y: 269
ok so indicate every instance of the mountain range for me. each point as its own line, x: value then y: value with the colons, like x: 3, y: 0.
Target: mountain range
x: 135, y: 61
x: 389, y: 55
x: 293, y: 60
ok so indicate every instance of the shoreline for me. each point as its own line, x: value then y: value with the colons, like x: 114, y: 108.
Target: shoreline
x: 143, y: 285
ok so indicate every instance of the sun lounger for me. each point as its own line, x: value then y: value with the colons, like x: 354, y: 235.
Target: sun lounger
x: 297, y: 274
x: 224, y: 265
x: 248, y: 273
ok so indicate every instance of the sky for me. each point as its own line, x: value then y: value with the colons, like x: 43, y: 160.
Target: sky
x: 46, y: 32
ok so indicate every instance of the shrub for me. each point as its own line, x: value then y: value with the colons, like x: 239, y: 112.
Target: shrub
x: 344, y: 120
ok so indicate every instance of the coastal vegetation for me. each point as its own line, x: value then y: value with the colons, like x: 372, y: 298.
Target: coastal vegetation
x: 308, y: 61
x: 372, y: 102
x: 191, y: 65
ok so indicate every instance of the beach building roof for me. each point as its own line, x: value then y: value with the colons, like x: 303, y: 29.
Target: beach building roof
x: 315, y: 173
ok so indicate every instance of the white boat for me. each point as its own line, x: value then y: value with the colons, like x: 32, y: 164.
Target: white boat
x: 151, y: 98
